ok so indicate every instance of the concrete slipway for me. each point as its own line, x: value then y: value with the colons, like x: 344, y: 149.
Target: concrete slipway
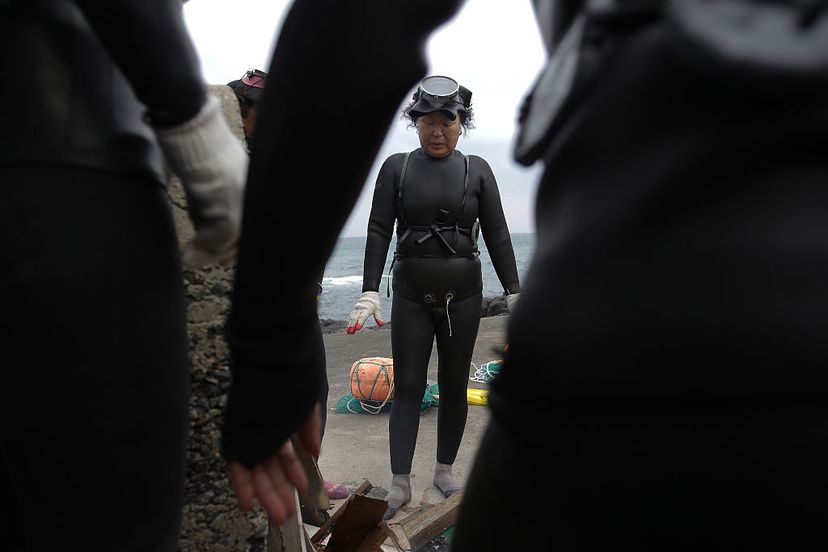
x: 355, y: 446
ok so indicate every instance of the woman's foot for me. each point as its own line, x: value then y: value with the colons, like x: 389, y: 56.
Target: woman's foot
x: 399, y: 495
x: 444, y: 481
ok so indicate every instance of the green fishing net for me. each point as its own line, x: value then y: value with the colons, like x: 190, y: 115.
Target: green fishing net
x: 350, y: 404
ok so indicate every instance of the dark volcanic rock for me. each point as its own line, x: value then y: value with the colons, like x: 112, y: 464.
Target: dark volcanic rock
x: 211, y: 521
x: 494, y: 306
x: 330, y: 326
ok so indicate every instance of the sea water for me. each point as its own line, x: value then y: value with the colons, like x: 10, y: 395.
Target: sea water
x: 342, y: 284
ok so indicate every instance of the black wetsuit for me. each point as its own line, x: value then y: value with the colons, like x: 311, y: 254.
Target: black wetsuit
x: 437, y: 282
x: 94, y: 410
x: 665, y: 381
x: 666, y: 384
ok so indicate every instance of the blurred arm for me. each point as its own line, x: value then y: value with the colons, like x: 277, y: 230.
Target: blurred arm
x: 338, y: 68
x: 149, y: 42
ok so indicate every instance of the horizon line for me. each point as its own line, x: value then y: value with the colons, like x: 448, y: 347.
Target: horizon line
x: 365, y: 235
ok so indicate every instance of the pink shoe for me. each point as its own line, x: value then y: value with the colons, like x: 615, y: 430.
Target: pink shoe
x: 336, y: 490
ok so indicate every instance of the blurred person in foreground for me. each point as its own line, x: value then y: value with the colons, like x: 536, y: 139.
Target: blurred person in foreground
x: 665, y: 384
x: 93, y: 423
x: 248, y: 90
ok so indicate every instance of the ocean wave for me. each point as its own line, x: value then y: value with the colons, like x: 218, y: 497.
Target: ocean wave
x: 342, y: 280
x: 346, y: 280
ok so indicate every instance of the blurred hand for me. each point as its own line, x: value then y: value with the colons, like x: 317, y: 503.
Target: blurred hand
x: 212, y: 165
x: 367, y: 305
x: 272, y: 482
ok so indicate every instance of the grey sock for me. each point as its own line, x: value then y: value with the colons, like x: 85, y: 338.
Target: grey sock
x: 444, y: 480
x: 399, y: 495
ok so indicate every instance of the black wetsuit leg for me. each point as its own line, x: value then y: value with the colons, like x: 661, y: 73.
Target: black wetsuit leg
x: 412, y: 338
x: 413, y: 331
x: 456, y: 334
x: 93, y: 419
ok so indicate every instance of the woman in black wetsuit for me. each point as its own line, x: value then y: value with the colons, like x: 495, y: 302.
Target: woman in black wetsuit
x: 440, y: 200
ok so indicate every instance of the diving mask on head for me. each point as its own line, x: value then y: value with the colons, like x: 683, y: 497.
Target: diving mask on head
x: 254, y: 78
x: 250, y: 86
x: 440, y: 93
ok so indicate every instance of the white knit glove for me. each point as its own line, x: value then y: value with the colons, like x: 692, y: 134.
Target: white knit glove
x: 368, y: 304
x: 212, y: 165
x: 511, y: 299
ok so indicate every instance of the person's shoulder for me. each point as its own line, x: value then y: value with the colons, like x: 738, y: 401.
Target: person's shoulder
x: 478, y: 163
x: 396, y: 157
x: 391, y: 166
x: 470, y: 156
x: 394, y: 160
x: 476, y: 159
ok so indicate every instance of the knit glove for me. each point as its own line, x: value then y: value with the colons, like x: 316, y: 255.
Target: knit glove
x: 511, y: 299
x: 212, y: 165
x: 368, y: 304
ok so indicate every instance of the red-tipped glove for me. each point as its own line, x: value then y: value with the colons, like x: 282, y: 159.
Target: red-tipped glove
x: 368, y: 305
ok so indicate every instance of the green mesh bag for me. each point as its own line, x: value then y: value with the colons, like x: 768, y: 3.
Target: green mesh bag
x: 349, y: 404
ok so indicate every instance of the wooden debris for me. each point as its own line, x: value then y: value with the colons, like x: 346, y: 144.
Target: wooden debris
x: 325, y: 528
x: 289, y: 536
x: 362, y: 515
x: 372, y: 542
x: 355, y: 526
x: 308, y: 544
x: 418, y: 528
x: 315, y: 496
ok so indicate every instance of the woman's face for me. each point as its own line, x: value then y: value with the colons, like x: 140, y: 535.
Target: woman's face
x: 438, y: 133
x: 249, y: 120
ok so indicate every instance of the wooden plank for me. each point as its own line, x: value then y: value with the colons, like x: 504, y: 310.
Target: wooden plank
x: 290, y: 535
x: 315, y: 496
x: 308, y: 544
x: 361, y: 516
x: 372, y: 542
x: 326, y: 527
x: 364, y: 487
x: 418, y: 528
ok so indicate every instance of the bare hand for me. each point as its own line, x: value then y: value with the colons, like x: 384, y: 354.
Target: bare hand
x: 271, y: 483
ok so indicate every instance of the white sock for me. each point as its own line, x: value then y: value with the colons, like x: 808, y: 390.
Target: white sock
x: 444, y: 480
x: 399, y: 495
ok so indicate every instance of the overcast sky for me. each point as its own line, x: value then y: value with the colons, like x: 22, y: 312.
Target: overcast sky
x: 491, y: 47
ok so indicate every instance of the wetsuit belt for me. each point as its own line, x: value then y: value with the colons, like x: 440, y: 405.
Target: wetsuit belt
x: 435, y: 231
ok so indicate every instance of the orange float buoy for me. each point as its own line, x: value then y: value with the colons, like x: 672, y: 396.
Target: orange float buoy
x: 372, y: 379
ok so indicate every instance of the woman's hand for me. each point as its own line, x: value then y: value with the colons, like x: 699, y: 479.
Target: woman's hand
x: 368, y: 305
x: 272, y: 482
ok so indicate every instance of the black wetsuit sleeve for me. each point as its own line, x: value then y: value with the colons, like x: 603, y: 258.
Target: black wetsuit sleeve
x: 151, y: 45
x: 495, y: 230
x: 298, y: 196
x: 380, y: 225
